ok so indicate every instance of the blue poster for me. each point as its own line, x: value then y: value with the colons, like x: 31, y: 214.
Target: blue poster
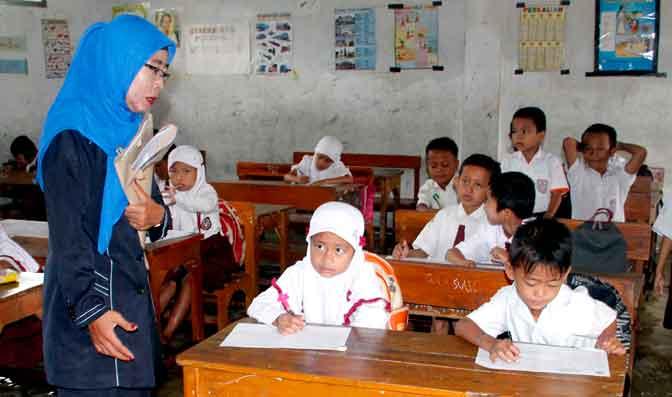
x: 14, y: 66
x: 628, y: 32
x: 355, y: 46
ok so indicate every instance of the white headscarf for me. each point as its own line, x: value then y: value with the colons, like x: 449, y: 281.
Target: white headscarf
x: 331, y: 147
x: 13, y: 253
x: 190, y: 156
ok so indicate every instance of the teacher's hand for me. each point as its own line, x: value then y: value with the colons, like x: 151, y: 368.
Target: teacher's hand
x: 106, y: 341
x: 146, y: 213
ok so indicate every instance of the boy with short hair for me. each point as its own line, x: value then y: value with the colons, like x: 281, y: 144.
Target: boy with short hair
x: 528, y: 131
x: 442, y: 162
x: 24, y: 152
x: 510, y: 202
x: 455, y: 223
x: 539, y: 307
x: 596, y: 180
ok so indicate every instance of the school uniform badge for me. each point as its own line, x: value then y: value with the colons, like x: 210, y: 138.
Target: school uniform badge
x: 542, y: 186
x: 206, y: 224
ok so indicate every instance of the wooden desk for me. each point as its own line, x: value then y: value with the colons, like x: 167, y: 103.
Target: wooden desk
x: 166, y: 255
x: 303, y: 197
x: 274, y: 217
x: 377, y: 363
x: 387, y: 181
x: 17, y: 178
x: 22, y: 299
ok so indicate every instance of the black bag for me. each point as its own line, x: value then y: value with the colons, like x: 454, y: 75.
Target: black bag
x: 599, y: 246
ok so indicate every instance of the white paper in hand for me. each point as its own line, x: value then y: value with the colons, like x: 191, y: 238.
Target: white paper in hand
x: 312, y: 337
x: 155, y: 148
x: 552, y: 359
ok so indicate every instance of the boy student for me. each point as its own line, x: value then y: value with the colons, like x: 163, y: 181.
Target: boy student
x: 510, y: 202
x: 539, y: 307
x: 528, y: 130
x: 24, y: 152
x: 452, y: 224
x: 595, y: 179
x: 442, y: 162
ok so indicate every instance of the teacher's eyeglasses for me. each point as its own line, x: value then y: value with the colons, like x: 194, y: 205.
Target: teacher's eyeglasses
x: 158, y: 72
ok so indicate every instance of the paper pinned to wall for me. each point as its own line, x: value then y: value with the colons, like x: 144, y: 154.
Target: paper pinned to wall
x: 13, y: 43
x: 57, y: 47
x: 312, y: 337
x: 552, y: 359
x: 355, y: 46
x: 218, y: 49
x: 139, y: 9
x: 416, y: 37
x: 166, y: 19
x: 274, y: 38
x: 14, y: 66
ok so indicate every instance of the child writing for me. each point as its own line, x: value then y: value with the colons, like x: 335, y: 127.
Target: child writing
x: 323, y: 167
x: 528, y: 131
x: 442, y: 162
x: 194, y: 209
x: 332, y: 285
x: 596, y: 181
x: 24, y: 152
x: 539, y: 307
x: 510, y: 202
x: 455, y: 223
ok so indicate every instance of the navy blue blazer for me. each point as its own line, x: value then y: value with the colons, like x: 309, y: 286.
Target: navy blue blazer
x: 80, y: 284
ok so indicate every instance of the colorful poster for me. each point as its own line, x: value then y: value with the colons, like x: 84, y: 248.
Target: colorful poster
x: 628, y: 35
x: 15, y: 43
x: 416, y: 37
x: 14, y: 66
x: 166, y: 20
x: 541, y: 38
x: 139, y: 9
x: 218, y: 49
x: 355, y: 47
x: 274, y: 43
x: 57, y: 47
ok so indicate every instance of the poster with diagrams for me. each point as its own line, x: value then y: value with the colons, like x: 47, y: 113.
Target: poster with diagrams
x: 416, y: 37
x: 57, y: 47
x: 541, y: 40
x: 274, y: 42
x: 217, y: 49
x: 355, y: 35
x: 13, y: 49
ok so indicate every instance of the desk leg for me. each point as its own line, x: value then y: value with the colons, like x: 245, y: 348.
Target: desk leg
x: 189, y: 380
x: 385, y: 195
x: 283, y: 230
x: 197, y: 318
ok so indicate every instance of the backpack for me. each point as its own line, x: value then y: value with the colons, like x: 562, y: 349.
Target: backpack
x: 599, y: 246
x: 390, y: 285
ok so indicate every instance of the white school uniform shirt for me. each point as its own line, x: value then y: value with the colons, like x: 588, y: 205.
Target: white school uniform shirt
x: 438, y: 235
x: 478, y: 247
x: 591, y: 191
x: 324, y: 300
x: 306, y: 167
x: 435, y: 197
x: 15, y: 255
x: 663, y: 224
x: 546, y: 172
x: 200, y: 203
x: 572, y: 318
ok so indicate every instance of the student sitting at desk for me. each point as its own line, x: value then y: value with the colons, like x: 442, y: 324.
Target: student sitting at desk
x: 333, y: 284
x: 323, y: 167
x: 442, y: 162
x: 24, y: 152
x: 455, y: 223
x: 510, y: 201
x: 194, y: 209
x: 539, y: 307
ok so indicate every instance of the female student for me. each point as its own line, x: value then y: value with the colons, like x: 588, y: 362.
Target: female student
x: 100, y: 335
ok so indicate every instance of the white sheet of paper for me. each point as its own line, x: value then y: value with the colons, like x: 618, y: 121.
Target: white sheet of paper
x: 24, y: 228
x: 312, y: 337
x: 491, y: 265
x: 552, y: 359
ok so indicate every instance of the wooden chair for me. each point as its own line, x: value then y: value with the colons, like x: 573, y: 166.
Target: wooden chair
x: 639, y: 204
x: 244, y: 281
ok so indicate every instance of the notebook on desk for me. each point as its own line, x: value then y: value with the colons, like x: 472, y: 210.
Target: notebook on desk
x: 312, y: 337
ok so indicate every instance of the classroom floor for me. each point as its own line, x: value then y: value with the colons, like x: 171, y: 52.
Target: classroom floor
x: 652, y: 374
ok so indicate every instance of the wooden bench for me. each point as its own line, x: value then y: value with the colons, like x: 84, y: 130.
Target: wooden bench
x: 408, y: 225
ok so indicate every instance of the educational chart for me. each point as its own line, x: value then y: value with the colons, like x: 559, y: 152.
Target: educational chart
x: 416, y: 38
x: 274, y: 44
x: 355, y: 46
x: 628, y: 31
x: 218, y: 49
x: 139, y: 9
x: 166, y: 19
x: 57, y: 47
x: 13, y: 50
x: 13, y: 43
x: 541, y: 40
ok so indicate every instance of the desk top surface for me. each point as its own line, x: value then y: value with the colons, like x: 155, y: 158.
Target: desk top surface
x: 403, y: 361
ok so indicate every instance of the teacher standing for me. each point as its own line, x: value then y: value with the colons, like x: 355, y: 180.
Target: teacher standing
x: 100, y: 333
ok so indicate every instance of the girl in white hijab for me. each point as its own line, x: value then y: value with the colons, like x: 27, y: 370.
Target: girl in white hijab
x: 323, y: 167
x: 332, y: 285
x: 194, y: 208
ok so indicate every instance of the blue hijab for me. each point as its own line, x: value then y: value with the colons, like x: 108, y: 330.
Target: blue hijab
x: 92, y: 100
